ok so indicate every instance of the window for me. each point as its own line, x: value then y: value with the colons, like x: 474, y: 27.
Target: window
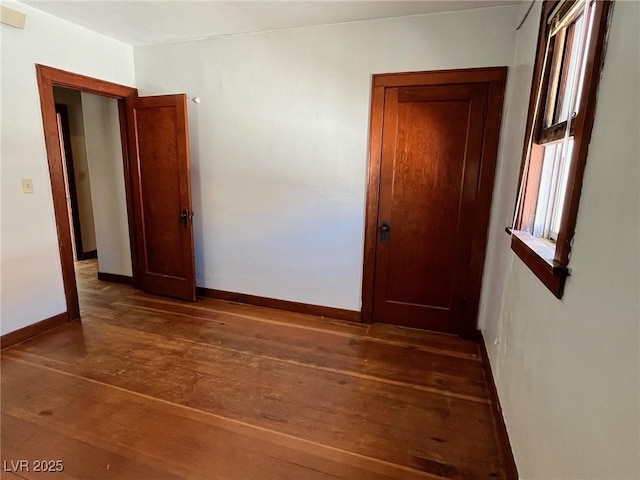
x: 561, y: 110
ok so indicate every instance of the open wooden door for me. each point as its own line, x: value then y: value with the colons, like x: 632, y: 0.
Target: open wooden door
x: 159, y: 150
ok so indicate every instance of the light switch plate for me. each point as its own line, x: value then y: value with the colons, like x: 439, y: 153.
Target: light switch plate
x: 27, y: 185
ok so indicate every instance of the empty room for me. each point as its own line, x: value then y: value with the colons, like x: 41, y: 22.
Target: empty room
x: 310, y: 240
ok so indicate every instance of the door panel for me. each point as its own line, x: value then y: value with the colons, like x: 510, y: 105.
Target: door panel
x: 432, y: 142
x: 162, y: 200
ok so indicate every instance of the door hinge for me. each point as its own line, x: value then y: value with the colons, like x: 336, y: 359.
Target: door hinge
x: 484, y: 114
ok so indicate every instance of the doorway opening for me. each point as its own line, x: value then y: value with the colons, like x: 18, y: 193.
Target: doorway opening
x: 153, y: 138
x: 75, y: 204
x: 77, y: 190
x: 92, y: 160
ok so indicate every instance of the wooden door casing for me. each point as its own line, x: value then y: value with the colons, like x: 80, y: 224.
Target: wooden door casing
x: 410, y: 172
x: 48, y: 77
x: 158, y: 138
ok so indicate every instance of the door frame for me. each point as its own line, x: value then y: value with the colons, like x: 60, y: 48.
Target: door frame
x: 71, y: 181
x: 65, y: 137
x: 49, y: 77
x: 495, y: 78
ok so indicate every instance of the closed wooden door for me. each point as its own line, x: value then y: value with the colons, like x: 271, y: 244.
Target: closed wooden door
x: 159, y: 145
x: 430, y: 208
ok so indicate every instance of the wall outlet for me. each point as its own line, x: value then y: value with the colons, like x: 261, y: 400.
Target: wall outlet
x: 27, y: 185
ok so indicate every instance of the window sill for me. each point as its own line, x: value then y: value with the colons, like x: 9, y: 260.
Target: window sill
x: 538, y: 255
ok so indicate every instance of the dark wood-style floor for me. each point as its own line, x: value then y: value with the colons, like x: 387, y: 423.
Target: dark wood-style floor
x: 151, y: 388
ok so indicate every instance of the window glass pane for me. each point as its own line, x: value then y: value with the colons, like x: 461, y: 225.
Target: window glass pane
x: 583, y: 67
x: 557, y: 51
x: 546, y: 190
x: 553, y: 189
x: 570, y: 65
x: 561, y: 190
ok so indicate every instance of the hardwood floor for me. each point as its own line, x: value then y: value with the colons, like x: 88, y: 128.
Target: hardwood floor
x: 151, y: 388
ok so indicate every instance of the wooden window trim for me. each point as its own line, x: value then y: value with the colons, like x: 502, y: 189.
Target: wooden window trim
x: 537, y: 258
x: 557, y: 131
x: 553, y: 271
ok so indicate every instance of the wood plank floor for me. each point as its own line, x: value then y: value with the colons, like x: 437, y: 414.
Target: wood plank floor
x: 150, y: 388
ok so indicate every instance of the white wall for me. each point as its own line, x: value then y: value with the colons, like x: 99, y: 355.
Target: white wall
x: 106, y: 170
x: 73, y: 102
x: 279, y: 142
x: 30, y: 258
x: 568, y: 371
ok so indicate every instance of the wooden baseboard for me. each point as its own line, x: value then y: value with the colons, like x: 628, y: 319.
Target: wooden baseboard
x: 510, y: 468
x: 33, y: 330
x: 115, y: 278
x: 329, y: 312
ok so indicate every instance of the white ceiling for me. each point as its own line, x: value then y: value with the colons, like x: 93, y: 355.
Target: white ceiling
x: 148, y: 22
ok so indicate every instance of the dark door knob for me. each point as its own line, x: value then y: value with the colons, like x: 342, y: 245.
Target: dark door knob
x: 385, y: 230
